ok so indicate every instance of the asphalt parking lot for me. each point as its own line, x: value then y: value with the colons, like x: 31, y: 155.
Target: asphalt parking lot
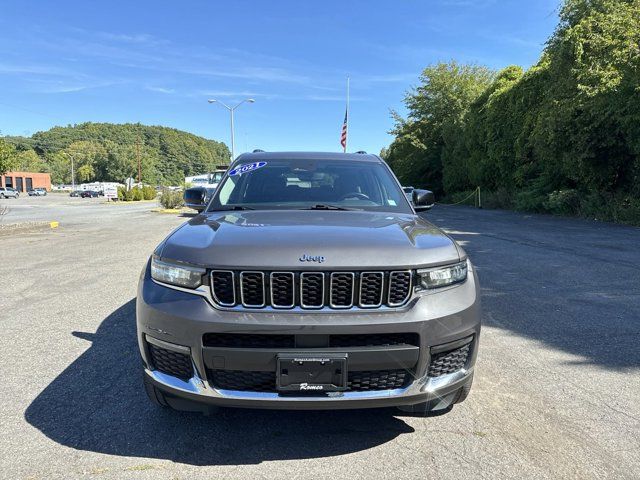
x: 556, y: 387
x: 72, y: 211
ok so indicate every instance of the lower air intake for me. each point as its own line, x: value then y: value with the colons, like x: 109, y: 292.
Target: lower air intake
x: 170, y: 362
x: 247, y: 381
x: 449, y: 362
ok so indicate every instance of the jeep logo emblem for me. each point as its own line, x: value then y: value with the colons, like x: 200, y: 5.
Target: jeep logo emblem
x: 312, y: 258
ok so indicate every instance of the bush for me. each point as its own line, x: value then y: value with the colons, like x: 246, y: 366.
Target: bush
x: 563, y: 202
x: 136, y: 194
x: 148, y: 192
x: 611, y: 208
x: 530, y: 200
x: 501, y: 198
x: 171, y: 198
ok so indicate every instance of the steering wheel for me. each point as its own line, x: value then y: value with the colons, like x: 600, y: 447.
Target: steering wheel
x: 358, y: 195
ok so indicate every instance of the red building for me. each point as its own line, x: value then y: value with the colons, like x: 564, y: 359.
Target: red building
x: 25, y: 181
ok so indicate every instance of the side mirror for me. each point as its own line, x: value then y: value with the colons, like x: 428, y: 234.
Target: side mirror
x: 195, y: 198
x: 423, y: 200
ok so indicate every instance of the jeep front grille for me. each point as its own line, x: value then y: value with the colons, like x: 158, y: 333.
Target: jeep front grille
x: 311, y: 290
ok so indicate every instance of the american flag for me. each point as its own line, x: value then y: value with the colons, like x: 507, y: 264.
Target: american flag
x: 343, y: 135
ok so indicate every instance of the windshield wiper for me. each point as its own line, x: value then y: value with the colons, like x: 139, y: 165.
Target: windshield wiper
x: 325, y: 206
x: 233, y: 207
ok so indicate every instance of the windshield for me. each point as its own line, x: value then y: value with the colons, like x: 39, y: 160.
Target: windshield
x: 288, y: 184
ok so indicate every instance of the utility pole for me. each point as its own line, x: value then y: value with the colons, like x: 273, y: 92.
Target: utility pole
x: 73, y: 176
x: 138, y: 157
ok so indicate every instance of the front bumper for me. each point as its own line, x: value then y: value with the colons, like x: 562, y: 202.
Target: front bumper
x: 178, y: 321
x: 441, y: 389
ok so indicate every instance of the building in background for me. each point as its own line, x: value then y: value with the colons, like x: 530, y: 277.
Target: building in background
x: 25, y: 181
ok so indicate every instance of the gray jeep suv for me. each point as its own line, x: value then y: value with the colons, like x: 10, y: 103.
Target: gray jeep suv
x: 309, y: 282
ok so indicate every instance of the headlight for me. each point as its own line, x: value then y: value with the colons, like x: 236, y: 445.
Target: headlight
x: 443, y: 276
x: 176, y: 273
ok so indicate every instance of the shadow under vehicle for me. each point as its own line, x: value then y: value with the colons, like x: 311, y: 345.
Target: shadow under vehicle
x: 96, y: 404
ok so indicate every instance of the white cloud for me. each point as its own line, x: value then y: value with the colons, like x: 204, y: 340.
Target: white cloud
x: 130, y: 38
x: 28, y: 69
x: 159, y: 89
x: 69, y: 87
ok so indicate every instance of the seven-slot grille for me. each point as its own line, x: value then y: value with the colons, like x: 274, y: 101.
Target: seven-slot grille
x: 310, y: 290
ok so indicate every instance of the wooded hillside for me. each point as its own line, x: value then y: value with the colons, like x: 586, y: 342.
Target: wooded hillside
x: 110, y: 152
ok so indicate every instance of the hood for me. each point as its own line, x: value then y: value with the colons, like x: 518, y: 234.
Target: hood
x: 278, y: 239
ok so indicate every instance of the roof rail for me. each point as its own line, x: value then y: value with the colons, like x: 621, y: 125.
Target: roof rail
x: 257, y: 150
x: 361, y: 152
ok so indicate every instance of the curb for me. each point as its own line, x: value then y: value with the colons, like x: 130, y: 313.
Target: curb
x: 8, y: 228
x: 168, y: 210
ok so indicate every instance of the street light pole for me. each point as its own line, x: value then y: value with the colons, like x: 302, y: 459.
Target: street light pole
x: 233, y: 137
x: 231, y: 111
x: 73, y: 180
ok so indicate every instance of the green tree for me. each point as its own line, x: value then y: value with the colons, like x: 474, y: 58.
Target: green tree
x: 7, y: 158
x: 166, y: 155
x: 88, y: 157
x: 29, y: 161
x: 564, y: 136
x: 436, y: 113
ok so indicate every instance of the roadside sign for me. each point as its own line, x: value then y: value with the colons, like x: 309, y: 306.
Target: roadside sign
x: 111, y: 192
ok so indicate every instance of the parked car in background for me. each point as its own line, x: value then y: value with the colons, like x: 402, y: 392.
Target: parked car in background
x: 75, y: 193
x: 8, y: 192
x: 37, y: 192
x: 89, y: 194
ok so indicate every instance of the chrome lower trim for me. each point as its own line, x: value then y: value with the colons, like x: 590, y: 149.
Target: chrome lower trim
x: 198, y: 386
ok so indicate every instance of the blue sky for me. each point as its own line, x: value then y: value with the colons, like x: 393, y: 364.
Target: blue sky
x: 157, y: 62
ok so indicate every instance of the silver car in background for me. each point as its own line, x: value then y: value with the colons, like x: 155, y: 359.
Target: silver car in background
x: 8, y: 192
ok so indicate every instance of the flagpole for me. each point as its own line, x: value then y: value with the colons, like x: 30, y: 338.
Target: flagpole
x: 347, y: 139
